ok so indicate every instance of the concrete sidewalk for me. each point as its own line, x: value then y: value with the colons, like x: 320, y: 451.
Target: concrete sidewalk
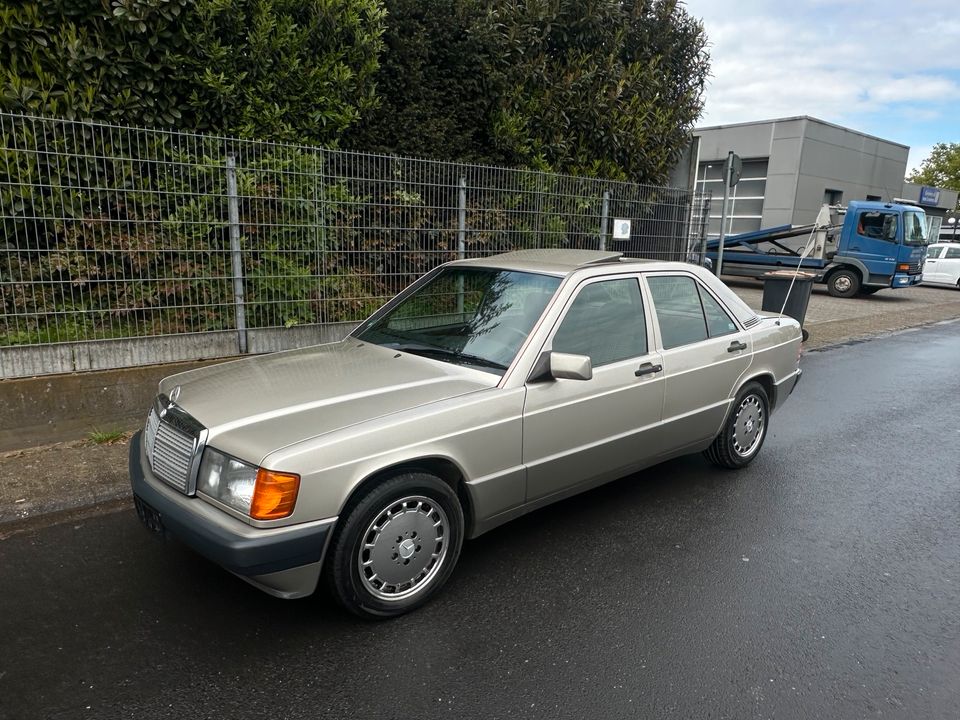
x: 68, y: 476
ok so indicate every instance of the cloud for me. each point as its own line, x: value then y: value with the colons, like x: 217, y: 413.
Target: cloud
x: 838, y: 60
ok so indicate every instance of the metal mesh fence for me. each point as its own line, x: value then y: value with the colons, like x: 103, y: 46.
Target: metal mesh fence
x: 122, y: 246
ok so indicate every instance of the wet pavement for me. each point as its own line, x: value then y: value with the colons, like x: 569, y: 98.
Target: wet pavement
x: 822, y: 581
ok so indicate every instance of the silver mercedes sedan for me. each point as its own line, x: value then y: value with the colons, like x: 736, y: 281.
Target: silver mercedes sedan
x: 487, y: 389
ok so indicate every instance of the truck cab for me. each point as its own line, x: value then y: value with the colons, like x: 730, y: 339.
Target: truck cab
x: 862, y: 248
x: 885, y: 242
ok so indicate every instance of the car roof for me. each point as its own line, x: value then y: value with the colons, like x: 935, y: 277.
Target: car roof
x: 563, y: 263
x: 560, y: 262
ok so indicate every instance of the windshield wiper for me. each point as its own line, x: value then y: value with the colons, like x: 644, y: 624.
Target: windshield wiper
x: 453, y: 355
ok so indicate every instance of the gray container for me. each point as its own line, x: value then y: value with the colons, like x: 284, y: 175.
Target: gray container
x: 777, y: 286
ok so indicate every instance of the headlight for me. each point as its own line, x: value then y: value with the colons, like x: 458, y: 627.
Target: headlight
x: 227, y: 479
x: 261, y: 494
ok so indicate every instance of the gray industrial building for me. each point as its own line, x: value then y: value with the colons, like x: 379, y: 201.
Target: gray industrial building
x: 792, y: 166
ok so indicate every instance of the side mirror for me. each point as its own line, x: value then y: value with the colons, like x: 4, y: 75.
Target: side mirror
x: 570, y: 367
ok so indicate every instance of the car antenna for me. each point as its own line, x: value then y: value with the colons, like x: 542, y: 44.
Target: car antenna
x: 822, y: 223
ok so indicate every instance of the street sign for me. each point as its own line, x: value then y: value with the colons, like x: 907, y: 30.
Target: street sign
x: 732, y: 169
x: 929, y: 196
x: 621, y: 229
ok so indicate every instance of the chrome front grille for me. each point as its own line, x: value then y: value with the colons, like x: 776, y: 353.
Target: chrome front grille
x: 173, y: 441
x: 915, y: 268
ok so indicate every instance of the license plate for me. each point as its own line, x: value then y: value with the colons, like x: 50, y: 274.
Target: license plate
x: 148, y: 516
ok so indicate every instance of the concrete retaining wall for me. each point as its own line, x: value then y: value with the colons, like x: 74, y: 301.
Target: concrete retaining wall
x: 32, y: 360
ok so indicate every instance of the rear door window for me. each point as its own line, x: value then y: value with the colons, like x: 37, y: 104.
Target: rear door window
x: 718, y: 322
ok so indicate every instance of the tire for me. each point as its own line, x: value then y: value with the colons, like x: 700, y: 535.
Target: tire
x: 380, y: 563
x: 843, y: 283
x: 748, y: 421
x: 869, y: 290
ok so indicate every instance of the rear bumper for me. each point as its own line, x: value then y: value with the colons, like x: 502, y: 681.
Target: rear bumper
x: 796, y: 380
x: 785, y: 387
x: 282, y: 561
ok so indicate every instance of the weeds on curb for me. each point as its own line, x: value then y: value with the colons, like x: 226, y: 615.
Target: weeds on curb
x: 105, y: 437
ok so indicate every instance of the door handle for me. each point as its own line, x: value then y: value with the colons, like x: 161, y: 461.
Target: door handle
x: 737, y: 346
x: 855, y: 248
x: 648, y: 369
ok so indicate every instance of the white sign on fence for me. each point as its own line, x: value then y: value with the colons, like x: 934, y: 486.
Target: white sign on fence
x: 621, y: 229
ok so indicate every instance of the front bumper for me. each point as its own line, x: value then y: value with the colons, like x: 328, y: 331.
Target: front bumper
x: 284, y: 561
x: 905, y: 280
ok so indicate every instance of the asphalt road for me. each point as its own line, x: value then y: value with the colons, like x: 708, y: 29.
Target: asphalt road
x: 822, y: 582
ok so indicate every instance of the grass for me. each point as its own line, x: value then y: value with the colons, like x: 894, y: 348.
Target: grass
x: 105, y: 437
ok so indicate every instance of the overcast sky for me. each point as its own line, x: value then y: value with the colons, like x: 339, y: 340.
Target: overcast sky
x: 886, y: 68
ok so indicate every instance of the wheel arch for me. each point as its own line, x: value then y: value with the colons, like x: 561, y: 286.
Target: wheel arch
x: 847, y: 263
x: 767, y: 382
x: 442, y: 467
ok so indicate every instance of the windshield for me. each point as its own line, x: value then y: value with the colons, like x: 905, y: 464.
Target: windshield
x: 914, y: 228
x: 464, y: 315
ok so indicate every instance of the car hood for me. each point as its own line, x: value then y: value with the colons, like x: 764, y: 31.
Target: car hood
x: 257, y: 405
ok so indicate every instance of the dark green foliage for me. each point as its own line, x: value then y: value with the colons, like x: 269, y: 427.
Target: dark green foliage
x: 92, y: 58
x: 285, y: 69
x: 603, y: 88
x: 281, y: 69
x: 606, y: 88
x: 437, y: 93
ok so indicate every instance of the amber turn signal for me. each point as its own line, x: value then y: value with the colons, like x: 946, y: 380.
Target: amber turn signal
x: 903, y: 267
x: 274, y: 495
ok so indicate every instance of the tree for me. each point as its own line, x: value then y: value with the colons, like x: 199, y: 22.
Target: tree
x: 598, y: 87
x: 283, y: 69
x: 434, y: 85
x: 591, y: 87
x: 941, y: 168
x: 92, y: 59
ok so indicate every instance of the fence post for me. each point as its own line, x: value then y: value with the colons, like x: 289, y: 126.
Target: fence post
x: 233, y: 216
x: 604, y: 214
x: 461, y: 236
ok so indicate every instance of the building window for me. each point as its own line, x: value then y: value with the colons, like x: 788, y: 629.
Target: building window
x: 745, y: 207
x: 832, y: 197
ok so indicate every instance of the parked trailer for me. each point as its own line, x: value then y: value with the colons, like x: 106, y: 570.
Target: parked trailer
x: 863, y: 248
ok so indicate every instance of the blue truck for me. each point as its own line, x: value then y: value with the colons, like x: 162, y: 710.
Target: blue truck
x: 860, y: 249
